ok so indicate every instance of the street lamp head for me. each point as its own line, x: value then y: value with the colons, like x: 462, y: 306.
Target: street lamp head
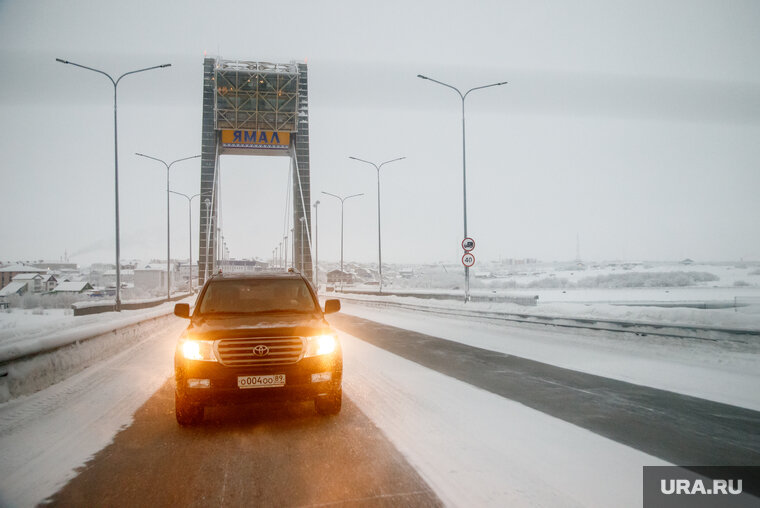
x: 165, y: 65
x: 422, y: 77
x: 61, y: 60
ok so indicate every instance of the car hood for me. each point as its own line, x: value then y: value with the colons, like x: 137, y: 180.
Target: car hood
x: 258, y: 325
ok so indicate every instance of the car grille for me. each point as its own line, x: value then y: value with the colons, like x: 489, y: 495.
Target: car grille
x: 239, y: 352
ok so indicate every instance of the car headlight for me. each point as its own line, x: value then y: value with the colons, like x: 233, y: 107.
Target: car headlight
x: 321, y: 345
x: 202, y: 350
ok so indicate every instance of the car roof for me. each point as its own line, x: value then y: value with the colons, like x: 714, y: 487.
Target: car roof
x: 256, y: 275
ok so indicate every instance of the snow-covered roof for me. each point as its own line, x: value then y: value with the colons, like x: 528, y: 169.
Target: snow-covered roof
x: 22, y: 269
x: 75, y: 287
x: 48, y: 277
x: 13, y: 288
x: 27, y: 276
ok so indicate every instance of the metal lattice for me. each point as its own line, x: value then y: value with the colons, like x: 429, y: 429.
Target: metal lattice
x: 256, y: 95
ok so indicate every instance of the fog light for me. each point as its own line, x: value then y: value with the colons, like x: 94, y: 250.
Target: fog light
x: 321, y: 377
x: 199, y: 383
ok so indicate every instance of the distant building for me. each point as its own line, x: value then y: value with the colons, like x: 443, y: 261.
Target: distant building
x: 186, y: 272
x: 32, y: 280
x: 150, y: 277
x: 687, y: 261
x: 49, y: 282
x: 513, y: 261
x: 336, y: 276
x: 125, y: 277
x: 102, y: 267
x: 242, y: 265
x: 364, y: 274
x: 406, y: 273
x: 8, y: 272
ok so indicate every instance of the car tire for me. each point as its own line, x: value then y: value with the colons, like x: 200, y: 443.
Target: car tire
x: 329, y: 404
x: 186, y: 413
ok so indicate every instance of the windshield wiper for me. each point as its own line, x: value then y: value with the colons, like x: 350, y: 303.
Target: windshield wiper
x: 223, y: 313
x: 256, y: 312
x: 281, y: 311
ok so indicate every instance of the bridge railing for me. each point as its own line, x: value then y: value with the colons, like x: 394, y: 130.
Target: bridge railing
x: 87, y: 308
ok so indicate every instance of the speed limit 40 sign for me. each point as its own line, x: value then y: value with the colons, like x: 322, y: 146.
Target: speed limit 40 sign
x: 468, y: 259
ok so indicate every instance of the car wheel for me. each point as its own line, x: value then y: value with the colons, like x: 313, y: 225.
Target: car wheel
x: 329, y: 404
x: 186, y: 413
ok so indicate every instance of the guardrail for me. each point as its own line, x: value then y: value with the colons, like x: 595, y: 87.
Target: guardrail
x: 710, y: 333
x: 37, y: 363
x: 527, y: 300
x: 87, y: 308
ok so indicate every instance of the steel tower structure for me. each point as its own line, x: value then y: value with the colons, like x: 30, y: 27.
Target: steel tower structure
x: 254, y: 108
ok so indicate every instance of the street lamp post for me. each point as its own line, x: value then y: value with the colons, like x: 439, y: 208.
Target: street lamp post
x: 464, y: 165
x: 285, y: 252
x: 302, y: 220
x: 316, y: 245
x: 168, y: 250
x: 293, y: 247
x: 207, y: 202
x: 342, y: 200
x: 379, y: 248
x: 190, y: 230
x: 115, y: 83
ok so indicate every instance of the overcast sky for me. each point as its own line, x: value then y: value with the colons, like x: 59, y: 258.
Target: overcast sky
x: 633, y: 126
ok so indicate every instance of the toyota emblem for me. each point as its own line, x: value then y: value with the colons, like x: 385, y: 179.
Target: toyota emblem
x: 261, y: 350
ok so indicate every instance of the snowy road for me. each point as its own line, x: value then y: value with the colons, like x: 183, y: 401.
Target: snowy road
x: 254, y: 455
x: 425, y: 421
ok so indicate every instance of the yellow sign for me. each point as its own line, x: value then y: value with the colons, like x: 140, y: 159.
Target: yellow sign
x: 259, y: 140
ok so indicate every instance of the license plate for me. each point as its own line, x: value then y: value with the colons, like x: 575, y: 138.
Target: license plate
x: 267, y: 381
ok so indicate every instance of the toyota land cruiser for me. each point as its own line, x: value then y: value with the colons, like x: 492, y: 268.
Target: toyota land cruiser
x: 254, y: 337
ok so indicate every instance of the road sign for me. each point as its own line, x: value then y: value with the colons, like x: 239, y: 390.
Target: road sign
x: 468, y: 244
x: 468, y: 259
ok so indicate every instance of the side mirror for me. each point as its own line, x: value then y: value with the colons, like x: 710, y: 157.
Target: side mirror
x: 332, y: 306
x: 182, y: 310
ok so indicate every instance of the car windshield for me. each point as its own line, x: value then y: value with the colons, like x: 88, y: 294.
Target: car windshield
x: 255, y: 296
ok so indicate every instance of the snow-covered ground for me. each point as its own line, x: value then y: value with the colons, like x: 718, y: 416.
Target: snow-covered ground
x: 562, y: 282
x: 747, y: 317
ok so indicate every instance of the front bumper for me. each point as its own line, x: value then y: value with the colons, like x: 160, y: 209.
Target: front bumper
x: 223, y: 388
